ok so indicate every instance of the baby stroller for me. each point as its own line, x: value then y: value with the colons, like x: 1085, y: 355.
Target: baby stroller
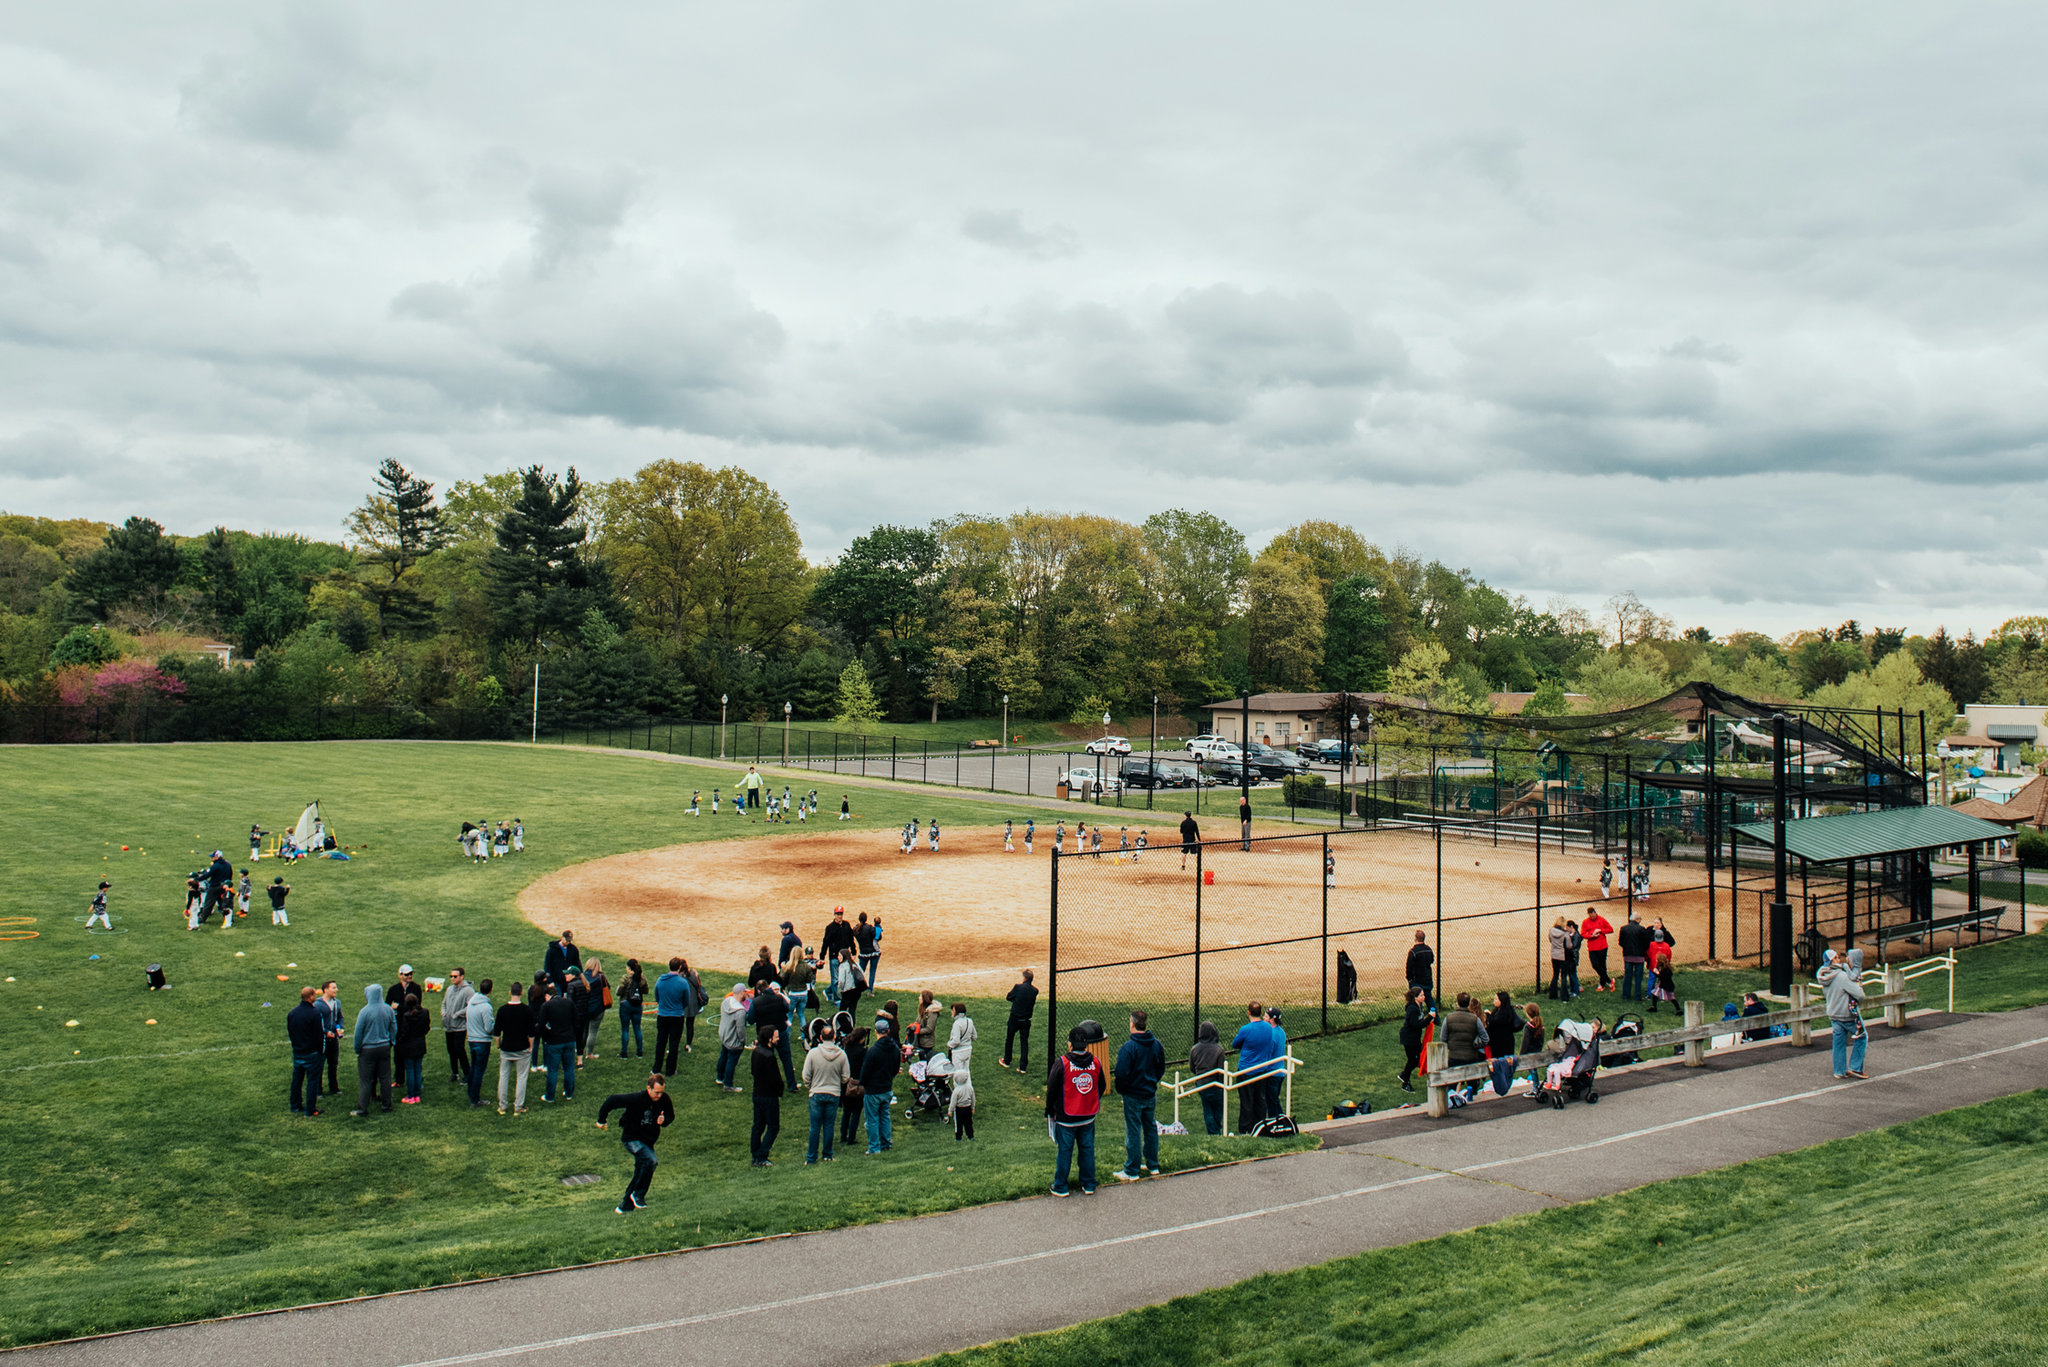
x: 931, y: 1084
x: 1571, y: 1077
x: 1628, y: 1026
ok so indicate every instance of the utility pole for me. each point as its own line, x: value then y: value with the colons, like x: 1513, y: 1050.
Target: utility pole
x: 535, y: 737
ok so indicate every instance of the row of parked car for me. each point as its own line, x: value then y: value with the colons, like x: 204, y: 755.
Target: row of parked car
x: 1210, y: 761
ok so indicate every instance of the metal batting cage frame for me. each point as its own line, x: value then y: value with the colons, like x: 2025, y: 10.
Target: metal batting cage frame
x: 1136, y: 932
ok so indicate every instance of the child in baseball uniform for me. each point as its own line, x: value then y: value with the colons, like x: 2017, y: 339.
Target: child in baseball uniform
x: 99, y: 908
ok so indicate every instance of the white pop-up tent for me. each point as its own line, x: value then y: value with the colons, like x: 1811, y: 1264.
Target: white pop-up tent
x: 311, y: 822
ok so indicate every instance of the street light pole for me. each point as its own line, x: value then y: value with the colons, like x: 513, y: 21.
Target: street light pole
x: 1006, y: 721
x: 785, y: 734
x: 535, y: 738
x: 722, y: 700
x: 1152, y: 757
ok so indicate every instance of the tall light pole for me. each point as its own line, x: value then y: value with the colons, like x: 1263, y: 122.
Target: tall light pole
x: 1347, y: 760
x: 1101, y: 772
x: 1006, y: 721
x: 785, y: 734
x: 1152, y: 757
x: 722, y: 700
x: 535, y: 738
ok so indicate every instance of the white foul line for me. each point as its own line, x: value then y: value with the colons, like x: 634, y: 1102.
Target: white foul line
x: 687, y: 1321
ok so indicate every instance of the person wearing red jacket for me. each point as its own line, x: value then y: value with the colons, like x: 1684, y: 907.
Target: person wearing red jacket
x: 1596, y: 928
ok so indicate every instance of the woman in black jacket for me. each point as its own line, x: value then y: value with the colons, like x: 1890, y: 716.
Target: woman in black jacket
x: 631, y: 994
x: 1415, y: 1017
x: 855, y: 1043
x: 411, y: 1050
x: 762, y: 970
x: 593, y: 1030
x: 1501, y: 1024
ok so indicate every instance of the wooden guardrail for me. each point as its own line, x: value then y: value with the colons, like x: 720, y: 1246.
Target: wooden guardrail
x: 1807, y: 1007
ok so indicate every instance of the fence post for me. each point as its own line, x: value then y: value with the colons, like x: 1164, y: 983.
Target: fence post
x: 1439, y: 1058
x: 1895, y: 981
x: 1802, y: 1030
x: 1325, y: 973
x: 1052, y: 967
x: 1695, y: 1049
x: 1198, y: 940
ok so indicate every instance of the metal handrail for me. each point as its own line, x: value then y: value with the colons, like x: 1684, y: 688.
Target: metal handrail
x: 1944, y: 963
x: 1201, y: 1082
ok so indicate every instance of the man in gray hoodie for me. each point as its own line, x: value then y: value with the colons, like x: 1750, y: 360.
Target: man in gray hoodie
x: 1841, y: 979
x: 455, y: 1024
x: 376, y: 1032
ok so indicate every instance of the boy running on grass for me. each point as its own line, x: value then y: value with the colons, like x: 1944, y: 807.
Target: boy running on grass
x: 695, y: 801
x: 99, y: 908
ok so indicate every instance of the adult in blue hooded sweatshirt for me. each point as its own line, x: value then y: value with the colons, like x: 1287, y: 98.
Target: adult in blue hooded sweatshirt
x: 376, y: 1032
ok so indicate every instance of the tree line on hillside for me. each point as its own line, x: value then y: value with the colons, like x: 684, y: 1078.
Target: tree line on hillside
x: 660, y: 593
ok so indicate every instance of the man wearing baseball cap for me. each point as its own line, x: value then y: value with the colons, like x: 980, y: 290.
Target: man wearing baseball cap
x: 403, y: 988
x: 790, y: 940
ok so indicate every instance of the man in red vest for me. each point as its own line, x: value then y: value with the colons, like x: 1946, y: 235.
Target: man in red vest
x: 1073, y: 1098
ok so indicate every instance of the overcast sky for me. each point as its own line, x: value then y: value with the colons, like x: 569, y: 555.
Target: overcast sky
x: 1739, y: 307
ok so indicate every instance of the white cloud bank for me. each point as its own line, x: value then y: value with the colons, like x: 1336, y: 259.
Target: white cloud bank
x: 1737, y: 307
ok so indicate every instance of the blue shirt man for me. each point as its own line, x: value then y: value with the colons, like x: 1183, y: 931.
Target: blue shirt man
x: 1258, y: 1045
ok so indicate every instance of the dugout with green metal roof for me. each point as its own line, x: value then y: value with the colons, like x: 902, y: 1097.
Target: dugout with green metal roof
x: 1888, y: 852
x: 1874, y: 835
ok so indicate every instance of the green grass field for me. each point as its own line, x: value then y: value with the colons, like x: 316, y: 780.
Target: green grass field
x: 1919, y: 1244
x: 152, y: 1173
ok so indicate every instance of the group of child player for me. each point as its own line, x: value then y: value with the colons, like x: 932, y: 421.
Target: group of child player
x: 1638, y: 877
x: 779, y: 810
x: 482, y: 842
x: 1085, y: 840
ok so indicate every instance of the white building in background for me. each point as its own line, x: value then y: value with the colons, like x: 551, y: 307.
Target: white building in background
x: 1997, y: 731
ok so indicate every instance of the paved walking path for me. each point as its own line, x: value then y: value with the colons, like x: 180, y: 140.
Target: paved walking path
x: 883, y: 1293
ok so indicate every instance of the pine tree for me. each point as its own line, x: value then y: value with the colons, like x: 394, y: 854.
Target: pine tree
x: 857, y: 707
x: 136, y: 564
x: 398, y: 526
x: 539, y: 578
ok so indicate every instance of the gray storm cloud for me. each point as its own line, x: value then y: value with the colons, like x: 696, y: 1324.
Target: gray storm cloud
x: 1737, y: 308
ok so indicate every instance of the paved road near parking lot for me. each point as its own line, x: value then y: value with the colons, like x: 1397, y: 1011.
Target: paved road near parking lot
x: 883, y: 1293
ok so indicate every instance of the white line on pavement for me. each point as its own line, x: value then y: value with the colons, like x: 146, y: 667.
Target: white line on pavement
x: 684, y: 1322
x: 599, y: 1336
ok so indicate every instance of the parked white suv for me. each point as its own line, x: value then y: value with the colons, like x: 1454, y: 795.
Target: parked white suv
x: 1109, y: 745
x: 1213, y: 747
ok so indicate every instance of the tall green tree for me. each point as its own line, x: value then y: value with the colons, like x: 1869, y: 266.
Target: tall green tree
x: 1355, y: 637
x: 136, y: 566
x: 1284, y: 615
x: 397, y: 527
x: 541, y: 581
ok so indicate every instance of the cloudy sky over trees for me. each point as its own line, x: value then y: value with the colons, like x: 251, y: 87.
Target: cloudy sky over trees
x: 1737, y: 307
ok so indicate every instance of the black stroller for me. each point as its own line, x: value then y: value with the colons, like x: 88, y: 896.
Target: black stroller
x: 931, y: 1084
x: 1573, y: 1075
x: 1628, y: 1026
